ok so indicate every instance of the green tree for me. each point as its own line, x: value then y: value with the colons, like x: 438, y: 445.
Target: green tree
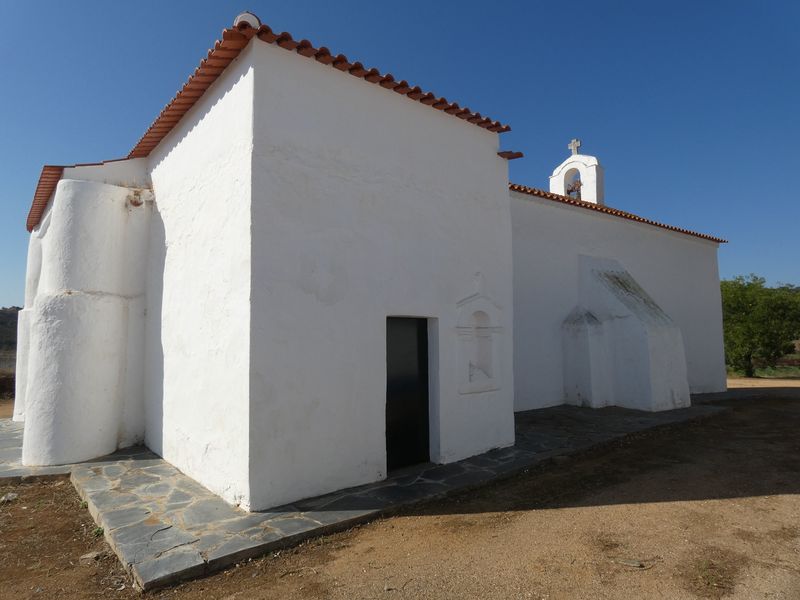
x: 759, y: 322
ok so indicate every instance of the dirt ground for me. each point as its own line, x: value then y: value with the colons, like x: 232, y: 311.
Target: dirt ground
x: 703, y: 510
x: 761, y: 382
x: 6, y: 408
x: 6, y: 394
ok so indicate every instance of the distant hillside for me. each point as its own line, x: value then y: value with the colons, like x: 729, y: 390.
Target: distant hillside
x: 8, y: 327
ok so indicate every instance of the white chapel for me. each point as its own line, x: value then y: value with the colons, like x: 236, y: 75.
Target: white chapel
x: 307, y: 274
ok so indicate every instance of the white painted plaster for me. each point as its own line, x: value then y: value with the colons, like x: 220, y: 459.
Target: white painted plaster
x: 21, y: 371
x: 73, y: 404
x: 237, y: 321
x: 620, y: 348
x: 32, y: 274
x: 678, y: 271
x: 247, y: 17
x: 77, y: 360
x: 365, y: 205
x: 591, y: 175
x: 131, y: 173
x: 479, y: 361
x: 198, y: 301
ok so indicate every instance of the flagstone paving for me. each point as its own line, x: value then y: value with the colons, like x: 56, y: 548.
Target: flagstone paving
x: 11, y: 468
x: 165, y: 527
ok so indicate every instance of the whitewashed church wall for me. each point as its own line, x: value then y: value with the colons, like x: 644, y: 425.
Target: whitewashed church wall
x: 33, y: 271
x: 126, y: 279
x: 21, y: 370
x: 76, y: 405
x: 198, y: 301
x: 619, y: 347
x: 680, y: 272
x: 365, y: 205
x: 131, y: 172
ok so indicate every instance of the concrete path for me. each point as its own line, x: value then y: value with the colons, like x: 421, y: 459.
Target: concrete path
x: 165, y: 527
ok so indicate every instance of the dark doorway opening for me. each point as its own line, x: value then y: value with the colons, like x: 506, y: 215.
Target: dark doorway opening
x: 407, y: 429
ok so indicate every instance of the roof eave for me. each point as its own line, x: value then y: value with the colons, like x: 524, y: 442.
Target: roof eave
x: 222, y: 54
x: 530, y: 191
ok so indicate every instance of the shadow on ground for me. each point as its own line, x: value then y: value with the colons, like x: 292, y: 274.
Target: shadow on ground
x: 581, y: 451
x: 752, y: 449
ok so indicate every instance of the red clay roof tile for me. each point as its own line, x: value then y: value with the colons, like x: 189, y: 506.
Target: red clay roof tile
x: 233, y: 41
x: 47, y: 183
x: 523, y: 189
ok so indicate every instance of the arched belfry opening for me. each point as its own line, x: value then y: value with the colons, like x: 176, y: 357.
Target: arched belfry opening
x: 580, y: 176
x: 573, y: 184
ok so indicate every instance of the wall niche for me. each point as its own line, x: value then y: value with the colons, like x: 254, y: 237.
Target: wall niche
x: 478, y: 333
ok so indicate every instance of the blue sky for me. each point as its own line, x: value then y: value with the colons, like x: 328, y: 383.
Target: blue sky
x: 692, y: 107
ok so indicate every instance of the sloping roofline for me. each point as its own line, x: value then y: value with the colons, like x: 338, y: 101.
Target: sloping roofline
x: 523, y: 189
x: 234, y: 40
x: 48, y: 180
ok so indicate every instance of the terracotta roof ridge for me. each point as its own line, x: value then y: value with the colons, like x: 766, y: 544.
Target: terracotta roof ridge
x: 531, y: 191
x: 224, y: 52
x: 236, y: 38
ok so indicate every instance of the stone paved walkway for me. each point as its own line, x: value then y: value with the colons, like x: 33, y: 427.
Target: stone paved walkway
x: 11, y: 456
x: 165, y: 527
